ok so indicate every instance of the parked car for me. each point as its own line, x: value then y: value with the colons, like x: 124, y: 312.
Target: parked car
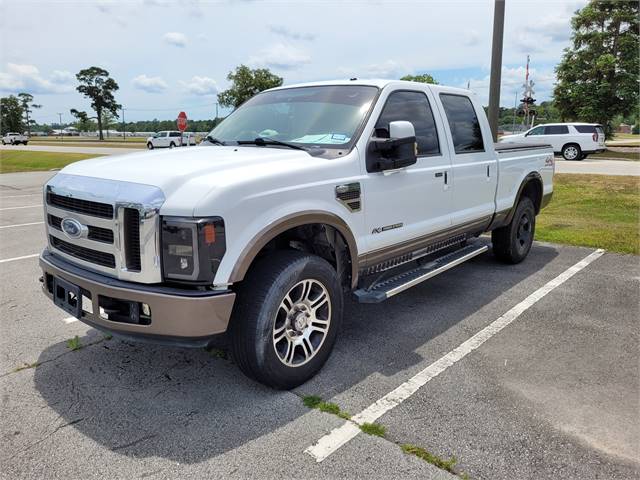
x: 301, y: 195
x: 574, y: 141
x: 170, y: 139
x: 15, y: 139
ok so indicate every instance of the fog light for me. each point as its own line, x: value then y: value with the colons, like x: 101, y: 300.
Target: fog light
x: 146, y: 310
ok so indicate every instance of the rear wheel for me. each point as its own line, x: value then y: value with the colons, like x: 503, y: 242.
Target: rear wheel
x: 287, y: 315
x: 511, y: 243
x: 571, y: 151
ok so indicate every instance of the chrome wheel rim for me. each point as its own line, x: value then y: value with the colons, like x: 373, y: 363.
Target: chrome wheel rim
x: 571, y: 152
x: 302, y: 323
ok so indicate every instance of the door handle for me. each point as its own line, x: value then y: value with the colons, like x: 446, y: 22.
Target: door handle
x: 439, y: 174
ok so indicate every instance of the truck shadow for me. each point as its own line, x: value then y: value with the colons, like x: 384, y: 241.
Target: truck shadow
x: 188, y: 405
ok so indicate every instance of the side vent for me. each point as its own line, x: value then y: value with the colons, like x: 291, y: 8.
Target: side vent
x: 131, y: 225
x: 349, y: 195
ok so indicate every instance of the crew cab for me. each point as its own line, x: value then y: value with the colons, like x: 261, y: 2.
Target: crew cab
x: 302, y: 195
x: 15, y: 139
x: 574, y: 141
x: 170, y: 139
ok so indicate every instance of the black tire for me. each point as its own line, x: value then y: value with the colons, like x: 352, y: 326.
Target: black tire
x: 257, y: 314
x: 150, y: 145
x: 571, y: 151
x: 24, y: 143
x: 511, y: 243
x: 172, y: 145
x: 3, y: 142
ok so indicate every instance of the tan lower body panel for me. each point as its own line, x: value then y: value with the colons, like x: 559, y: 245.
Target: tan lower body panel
x: 171, y: 315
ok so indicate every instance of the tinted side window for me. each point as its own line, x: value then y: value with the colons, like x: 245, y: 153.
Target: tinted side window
x: 536, y: 131
x: 412, y: 107
x: 585, y: 128
x: 556, y: 130
x: 463, y: 122
x: 174, y: 134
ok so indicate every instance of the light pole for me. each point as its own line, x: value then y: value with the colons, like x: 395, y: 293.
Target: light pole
x: 60, y: 126
x: 496, y: 67
x: 124, y: 137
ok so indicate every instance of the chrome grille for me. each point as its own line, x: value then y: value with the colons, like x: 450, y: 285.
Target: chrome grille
x: 95, y: 209
x: 93, y: 256
x: 120, y: 225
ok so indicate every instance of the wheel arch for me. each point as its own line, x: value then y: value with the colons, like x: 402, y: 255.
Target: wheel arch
x: 532, y: 187
x: 290, y: 223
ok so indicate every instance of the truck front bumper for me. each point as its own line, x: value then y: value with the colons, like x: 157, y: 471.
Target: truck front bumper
x: 144, y: 312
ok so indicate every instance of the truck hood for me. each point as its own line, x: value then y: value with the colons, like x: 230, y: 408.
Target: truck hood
x: 186, y: 175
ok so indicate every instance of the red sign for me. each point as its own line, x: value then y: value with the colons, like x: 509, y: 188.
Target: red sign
x: 182, y: 121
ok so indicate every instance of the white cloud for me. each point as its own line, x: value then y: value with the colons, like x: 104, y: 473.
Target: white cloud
x: 149, y: 84
x: 27, y: 78
x: 200, y: 86
x: 290, y: 34
x: 281, y: 57
x: 176, y: 39
x: 386, y: 69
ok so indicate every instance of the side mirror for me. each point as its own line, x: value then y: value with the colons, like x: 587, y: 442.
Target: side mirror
x: 398, y: 151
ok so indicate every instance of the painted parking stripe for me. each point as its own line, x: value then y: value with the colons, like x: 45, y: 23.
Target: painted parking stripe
x: 69, y: 320
x: 21, y: 225
x: 17, y: 208
x: 350, y: 429
x: 25, y: 195
x: 5, y: 260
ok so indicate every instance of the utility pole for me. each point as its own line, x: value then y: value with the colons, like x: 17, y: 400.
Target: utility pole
x: 496, y: 67
x: 60, y: 126
x: 515, y: 110
x: 124, y: 137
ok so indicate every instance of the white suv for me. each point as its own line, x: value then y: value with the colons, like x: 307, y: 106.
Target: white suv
x: 573, y: 140
x: 166, y: 138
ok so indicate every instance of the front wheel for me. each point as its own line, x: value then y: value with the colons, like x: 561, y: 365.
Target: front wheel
x: 150, y: 146
x: 511, y: 243
x: 172, y: 145
x: 286, y: 318
x: 25, y: 143
x: 572, y: 151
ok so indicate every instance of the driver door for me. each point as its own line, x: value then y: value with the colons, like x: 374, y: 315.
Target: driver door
x: 403, y: 207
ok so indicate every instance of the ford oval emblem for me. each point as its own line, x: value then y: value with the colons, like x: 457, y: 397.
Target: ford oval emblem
x: 72, y: 228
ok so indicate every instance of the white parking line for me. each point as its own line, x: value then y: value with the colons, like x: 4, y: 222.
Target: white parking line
x: 69, y: 320
x: 17, y: 208
x: 5, y: 260
x: 341, y: 435
x: 24, y: 195
x: 21, y: 225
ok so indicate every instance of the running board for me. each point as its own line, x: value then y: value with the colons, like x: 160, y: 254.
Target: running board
x: 405, y: 280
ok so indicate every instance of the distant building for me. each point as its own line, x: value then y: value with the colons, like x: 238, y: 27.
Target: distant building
x: 623, y: 128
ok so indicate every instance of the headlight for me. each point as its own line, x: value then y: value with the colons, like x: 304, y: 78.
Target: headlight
x: 192, y: 248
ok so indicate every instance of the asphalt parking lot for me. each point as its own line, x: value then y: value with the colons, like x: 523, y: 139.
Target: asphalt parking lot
x: 553, y: 394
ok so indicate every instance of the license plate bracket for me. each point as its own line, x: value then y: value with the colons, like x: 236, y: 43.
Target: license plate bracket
x: 67, y: 296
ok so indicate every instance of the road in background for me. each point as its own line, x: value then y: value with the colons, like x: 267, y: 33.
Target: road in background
x: 74, y: 149
x: 598, y: 167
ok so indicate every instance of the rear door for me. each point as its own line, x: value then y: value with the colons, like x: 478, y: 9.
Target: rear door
x: 557, y: 136
x: 474, y: 164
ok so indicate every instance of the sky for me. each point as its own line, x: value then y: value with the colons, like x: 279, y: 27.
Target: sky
x: 173, y: 55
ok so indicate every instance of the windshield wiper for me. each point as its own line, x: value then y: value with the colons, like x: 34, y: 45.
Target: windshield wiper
x: 262, y: 142
x: 214, y: 140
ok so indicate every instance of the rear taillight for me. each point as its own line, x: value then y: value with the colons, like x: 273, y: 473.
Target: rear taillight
x: 595, y: 137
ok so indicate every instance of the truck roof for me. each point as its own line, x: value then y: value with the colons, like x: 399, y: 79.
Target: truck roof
x: 377, y: 82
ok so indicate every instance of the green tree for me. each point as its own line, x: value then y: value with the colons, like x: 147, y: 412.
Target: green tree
x: 96, y: 85
x: 25, y: 102
x: 11, y: 115
x: 84, y: 123
x: 598, y: 74
x: 424, y: 78
x: 245, y: 83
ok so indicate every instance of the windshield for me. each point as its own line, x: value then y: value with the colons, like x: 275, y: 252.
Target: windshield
x: 327, y: 116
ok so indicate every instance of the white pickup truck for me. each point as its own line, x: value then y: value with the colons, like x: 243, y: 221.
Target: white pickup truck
x: 15, y: 139
x: 301, y: 195
x: 170, y: 139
